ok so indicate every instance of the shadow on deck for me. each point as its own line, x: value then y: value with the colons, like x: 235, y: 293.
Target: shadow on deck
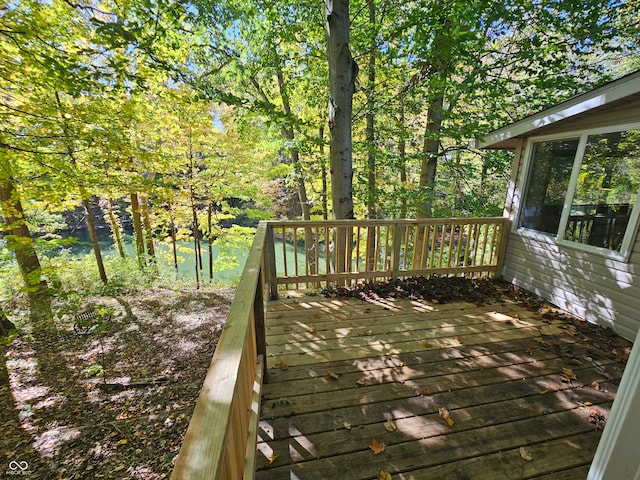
x: 527, y: 393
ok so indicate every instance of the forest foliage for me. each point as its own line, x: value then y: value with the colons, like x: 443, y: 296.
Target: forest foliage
x: 173, y: 118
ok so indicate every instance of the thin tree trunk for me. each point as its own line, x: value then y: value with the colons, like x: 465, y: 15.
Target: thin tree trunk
x: 370, y: 134
x: 402, y: 154
x: 210, y: 240
x: 115, y: 228
x: 83, y: 194
x: 174, y: 246
x: 93, y: 234
x: 146, y: 220
x: 137, y: 227
x: 323, y: 172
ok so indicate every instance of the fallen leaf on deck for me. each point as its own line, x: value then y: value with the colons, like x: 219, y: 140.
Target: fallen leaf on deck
x: 377, y: 447
x: 382, y: 475
x: 545, y: 391
x: 312, y: 330
x: 272, y: 458
x: 282, y: 365
x: 568, y: 375
x: 596, y: 385
x: 362, y: 381
x: 423, y: 392
x: 444, y: 413
x: 347, y: 425
x: 330, y: 374
x: 529, y: 351
x: 124, y: 441
x: 369, y: 332
x: 390, y: 425
x: 597, y: 418
x: 287, y: 328
x: 525, y: 454
x: 588, y: 404
x: 426, y: 345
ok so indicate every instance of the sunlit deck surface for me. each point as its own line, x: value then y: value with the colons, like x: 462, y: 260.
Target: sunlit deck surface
x: 527, y: 392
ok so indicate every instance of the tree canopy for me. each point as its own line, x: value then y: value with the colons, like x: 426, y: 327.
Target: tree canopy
x: 169, y: 115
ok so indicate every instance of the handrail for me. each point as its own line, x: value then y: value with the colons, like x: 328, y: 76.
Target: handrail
x: 218, y: 438
x: 344, y: 251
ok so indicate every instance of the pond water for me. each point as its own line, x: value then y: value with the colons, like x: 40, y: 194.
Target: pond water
x: 225, y: 271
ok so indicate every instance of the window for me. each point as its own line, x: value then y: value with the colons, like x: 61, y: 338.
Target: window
x: 551, y: 165
x: 583, y: 189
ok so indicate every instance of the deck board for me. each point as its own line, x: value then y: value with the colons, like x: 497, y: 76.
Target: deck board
x: 496, y: 368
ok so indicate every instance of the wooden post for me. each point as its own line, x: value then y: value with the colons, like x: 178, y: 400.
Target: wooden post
x: 398, y: 235
x: 258, y: 318
x: 501, y: 249
x: 270, y: 264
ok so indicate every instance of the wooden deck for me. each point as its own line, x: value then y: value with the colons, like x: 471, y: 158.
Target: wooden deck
x: 526, y: 394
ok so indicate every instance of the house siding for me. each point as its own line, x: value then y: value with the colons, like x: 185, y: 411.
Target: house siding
x: 588, y: 285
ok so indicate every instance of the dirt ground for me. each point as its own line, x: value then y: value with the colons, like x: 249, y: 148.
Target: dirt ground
x: 59, y: 420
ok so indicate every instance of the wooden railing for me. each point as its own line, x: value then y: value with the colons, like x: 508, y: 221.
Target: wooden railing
x: 312, y: 254
x: 220, y: 442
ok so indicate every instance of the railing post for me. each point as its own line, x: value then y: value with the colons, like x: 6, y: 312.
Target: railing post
x: 398, y: 236
x: 270, y: 264
x: 505, y: 228
x: 259, y: 318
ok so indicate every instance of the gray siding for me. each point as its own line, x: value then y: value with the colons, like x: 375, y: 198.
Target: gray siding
x: 598, y: 289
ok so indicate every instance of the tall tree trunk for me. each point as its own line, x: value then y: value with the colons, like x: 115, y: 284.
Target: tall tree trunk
x: 84, y: 195
x: 93, y: 234
x: 210, y: 239
x: 370, y: 134
x: 323, y: 172
x: 343, y: 71
x: 430, y: 152
x: 402, y: 154
x: 289, y: 135
x: 20, y: 242
x: 137, y: 227
x: 342, y: 75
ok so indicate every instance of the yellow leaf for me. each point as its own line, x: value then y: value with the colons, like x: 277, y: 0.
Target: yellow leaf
x: 525, y: 454
x: 567, y: 375
x: 124, y: 441
x: 382, y: 475
x: 272, y: 458
x: 444, y: 413
x: 390, y: 425
x: 377, y: 447
x: 426, y: 345
x: 330, y: 374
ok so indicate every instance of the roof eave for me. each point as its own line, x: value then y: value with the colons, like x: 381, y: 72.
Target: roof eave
x: 611, y: 92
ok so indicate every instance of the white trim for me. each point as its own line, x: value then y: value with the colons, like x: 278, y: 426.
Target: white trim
x: 604, y: 95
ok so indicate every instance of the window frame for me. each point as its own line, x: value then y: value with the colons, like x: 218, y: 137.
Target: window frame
x: 634, y: 217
